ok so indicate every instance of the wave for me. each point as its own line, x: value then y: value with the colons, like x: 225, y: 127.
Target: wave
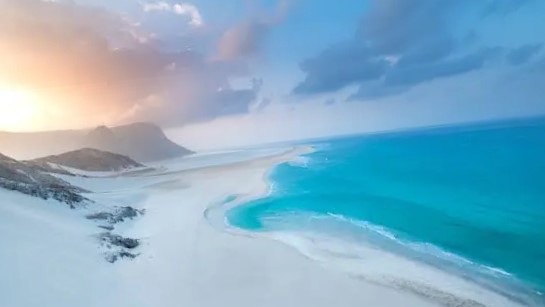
x: 442, y: 259
x: 379, y: 255
x: 386, y: 172
x: 338, y: 226
x: 300, y: 161
x: 387, y: 239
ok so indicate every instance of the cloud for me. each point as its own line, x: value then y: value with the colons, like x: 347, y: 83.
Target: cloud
x: 402, y: 43
x: 182, y: 9
x: 406, y: 75
x: 330, y: 101
x: 504, y: 6
x: 190, y: 10
x: 245, y: 39
x: 94, y: 67
x: 157, y: 6
x: 410, y: 27
x: 523, y: 54
x: 400, y: 79
x: 265, y: 102
x: 340, y: 66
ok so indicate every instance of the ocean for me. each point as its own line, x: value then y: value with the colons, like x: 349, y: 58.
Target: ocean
x: 468, y: 199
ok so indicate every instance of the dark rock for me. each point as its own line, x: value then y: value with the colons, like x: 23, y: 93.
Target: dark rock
x: 124, y: 254
x: 117, y: 216
x: 18, y: 176
x: 65, y: 194
x: 105, y: 216
x: 128, y: 213
x: 113, y: 257
x: 118, y: 240
x: 118, y: 246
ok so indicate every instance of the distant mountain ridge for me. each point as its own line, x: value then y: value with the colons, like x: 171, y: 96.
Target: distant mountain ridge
x: 142, y: 142
x: 88, y: 159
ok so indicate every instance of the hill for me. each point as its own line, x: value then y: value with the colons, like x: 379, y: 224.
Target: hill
x: 88, y: 159
x: 142, y: 142
x: 18, y: 176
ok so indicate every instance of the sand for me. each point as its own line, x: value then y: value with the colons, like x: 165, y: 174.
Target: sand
x: 188, y: 255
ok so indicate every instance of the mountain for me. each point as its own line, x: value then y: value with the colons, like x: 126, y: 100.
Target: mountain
x: 142, y: 142
x: 102, y: 138
x: 18, y: 176
x: 31, y: 145
x: 87, y: 159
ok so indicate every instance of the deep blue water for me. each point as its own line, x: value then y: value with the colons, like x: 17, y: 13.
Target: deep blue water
x: 476, y: 191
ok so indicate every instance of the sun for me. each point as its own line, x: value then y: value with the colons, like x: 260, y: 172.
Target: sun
x: 19, y: 109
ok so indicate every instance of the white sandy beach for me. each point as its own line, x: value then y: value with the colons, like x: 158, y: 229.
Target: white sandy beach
x: 186, y: 259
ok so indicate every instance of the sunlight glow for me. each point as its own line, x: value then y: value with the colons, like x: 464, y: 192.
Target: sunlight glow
x: 19, y: 108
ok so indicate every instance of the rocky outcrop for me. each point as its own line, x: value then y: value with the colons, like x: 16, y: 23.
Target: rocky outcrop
x: 118, y: 247
x: 32, y: 180
x: 116, y: 240
x: 118, y: 215
x: 115, y: 256
x: 18, y: 176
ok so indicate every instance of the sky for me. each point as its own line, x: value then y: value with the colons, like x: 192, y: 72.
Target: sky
x: 220, y: 73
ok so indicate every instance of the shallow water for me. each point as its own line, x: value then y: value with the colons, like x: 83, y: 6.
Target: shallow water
x: 452, y: 196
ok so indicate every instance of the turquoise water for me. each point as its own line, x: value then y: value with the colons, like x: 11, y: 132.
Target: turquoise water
x: 474, y: 191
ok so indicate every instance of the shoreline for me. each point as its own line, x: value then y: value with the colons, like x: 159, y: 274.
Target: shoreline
x: 218, y: 210
x: 183, y: 258
x: 246, y: 268
x: 525, y: 297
